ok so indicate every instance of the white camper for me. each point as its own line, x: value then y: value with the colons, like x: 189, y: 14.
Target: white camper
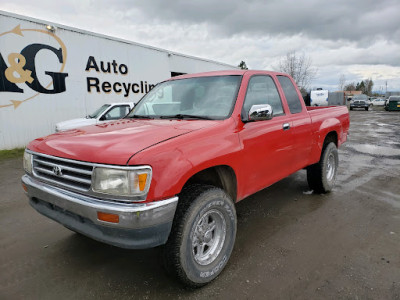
x: 319, y: 97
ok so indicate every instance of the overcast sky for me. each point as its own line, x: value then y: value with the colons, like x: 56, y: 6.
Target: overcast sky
x: 359, y: 39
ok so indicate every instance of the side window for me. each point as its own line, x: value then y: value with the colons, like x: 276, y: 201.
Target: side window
x: 117, y: 112
x: 262, y: 90
x: 292, y: 98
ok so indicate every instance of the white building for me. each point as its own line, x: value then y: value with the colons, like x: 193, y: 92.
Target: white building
x: 51, y: 73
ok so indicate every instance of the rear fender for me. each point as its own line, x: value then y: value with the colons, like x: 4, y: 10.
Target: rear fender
x: 327, y: 126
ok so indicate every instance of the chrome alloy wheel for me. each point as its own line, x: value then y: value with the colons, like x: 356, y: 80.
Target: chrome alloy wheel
x: 331, y: 168
x: 208, y: 237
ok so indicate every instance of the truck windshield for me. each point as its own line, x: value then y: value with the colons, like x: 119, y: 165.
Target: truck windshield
x: 98, y: 112
x: 360, y: 97
x: 192, y: 98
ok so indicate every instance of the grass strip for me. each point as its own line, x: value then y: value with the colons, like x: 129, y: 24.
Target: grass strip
x: 13, y: 153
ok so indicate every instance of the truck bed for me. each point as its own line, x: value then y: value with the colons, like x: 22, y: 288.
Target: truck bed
x: 325, y: 117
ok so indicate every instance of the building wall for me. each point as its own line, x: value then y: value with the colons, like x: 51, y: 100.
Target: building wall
x: 336, y: 98
x: 351, y: 93
x: 50, y: 76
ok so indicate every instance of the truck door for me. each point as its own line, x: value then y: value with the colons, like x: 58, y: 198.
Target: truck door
x: 267, y: 145
x: 300, y: 124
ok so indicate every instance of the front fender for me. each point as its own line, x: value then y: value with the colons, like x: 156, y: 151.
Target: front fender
x: 176, y: 160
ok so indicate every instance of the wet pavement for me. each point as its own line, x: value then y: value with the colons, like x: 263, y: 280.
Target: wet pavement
x: 291, y: 244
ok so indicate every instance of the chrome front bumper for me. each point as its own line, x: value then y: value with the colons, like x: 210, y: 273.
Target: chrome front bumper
x: 141, y: 225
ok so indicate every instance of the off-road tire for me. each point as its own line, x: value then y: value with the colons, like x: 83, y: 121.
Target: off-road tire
x: 321, y: 176
x: 197, y: 205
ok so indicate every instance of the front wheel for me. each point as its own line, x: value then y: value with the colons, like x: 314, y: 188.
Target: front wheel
x: 321, y: 176
x: 202, y: 235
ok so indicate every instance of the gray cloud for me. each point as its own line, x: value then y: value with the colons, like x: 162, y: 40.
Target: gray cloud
x: 331, y: 20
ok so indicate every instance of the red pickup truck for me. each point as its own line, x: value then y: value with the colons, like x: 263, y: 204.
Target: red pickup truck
x: 171, y: 171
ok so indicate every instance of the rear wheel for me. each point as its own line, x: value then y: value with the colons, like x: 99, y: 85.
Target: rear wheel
x: 321, y: 176
x: 202, y: 236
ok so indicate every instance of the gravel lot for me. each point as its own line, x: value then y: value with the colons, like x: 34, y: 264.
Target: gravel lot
x: 291, y: 244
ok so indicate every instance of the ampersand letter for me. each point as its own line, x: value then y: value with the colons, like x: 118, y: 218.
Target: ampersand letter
x: 17, y: 62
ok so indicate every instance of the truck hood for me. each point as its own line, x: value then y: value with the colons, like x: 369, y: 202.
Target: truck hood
x: 115, y: 142
x: 75, y: 123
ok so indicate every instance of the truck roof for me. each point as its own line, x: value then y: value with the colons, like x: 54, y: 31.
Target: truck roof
x: 227, y: 72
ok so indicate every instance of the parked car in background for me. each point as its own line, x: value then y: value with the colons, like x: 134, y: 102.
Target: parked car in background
x: 360, y: 101
x: 393, y: 103
x: 359, y: 104
x: 378, y: 102
x: 107, y: 112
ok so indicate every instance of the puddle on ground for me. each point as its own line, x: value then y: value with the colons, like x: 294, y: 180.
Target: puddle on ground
x: 392, y: 142
x: 384, y: 130
x: 376, y: 150
x: 384, y: 124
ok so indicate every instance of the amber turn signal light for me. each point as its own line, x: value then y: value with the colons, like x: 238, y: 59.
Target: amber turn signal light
x: 111, y: 218
x: 25, y: 188
x: 142, y: 181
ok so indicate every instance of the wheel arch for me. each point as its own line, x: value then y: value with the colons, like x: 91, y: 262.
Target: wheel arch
x: 221, y: 176
x: 331, y: 136
x: 323, y: 139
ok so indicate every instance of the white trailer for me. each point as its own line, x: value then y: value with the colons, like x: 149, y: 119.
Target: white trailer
x: 51, y: 73
x: 319, y: 97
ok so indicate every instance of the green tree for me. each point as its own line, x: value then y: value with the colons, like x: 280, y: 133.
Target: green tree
x: 360, y: 86
x: 369, y: 84
x: 365, y: 86
x: 243, y: 65
x: 350, y: 87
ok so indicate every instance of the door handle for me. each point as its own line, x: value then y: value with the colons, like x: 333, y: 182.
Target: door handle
x: 286, y: 126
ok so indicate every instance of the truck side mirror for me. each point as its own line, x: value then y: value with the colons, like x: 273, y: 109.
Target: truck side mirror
x: 260, y: 112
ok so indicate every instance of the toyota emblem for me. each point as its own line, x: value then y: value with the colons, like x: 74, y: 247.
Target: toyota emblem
x: 57, y: 171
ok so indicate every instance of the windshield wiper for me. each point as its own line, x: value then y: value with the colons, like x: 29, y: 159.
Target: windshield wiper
x: 184, y: 116
x: 139, y: 117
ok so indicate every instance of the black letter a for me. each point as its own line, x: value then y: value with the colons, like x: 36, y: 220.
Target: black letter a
x: 91, y: 63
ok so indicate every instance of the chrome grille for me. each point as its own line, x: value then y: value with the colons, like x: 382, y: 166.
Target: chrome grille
x: 69, y: 173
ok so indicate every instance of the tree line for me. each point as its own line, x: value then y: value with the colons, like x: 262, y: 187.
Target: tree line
x: 365, y: 86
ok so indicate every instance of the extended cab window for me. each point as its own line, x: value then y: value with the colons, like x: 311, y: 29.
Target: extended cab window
x: 262, y: 90
x: 291, y: 95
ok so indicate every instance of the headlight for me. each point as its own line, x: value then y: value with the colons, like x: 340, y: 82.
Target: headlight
x: 121, y: 182
x: 27, y: 162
